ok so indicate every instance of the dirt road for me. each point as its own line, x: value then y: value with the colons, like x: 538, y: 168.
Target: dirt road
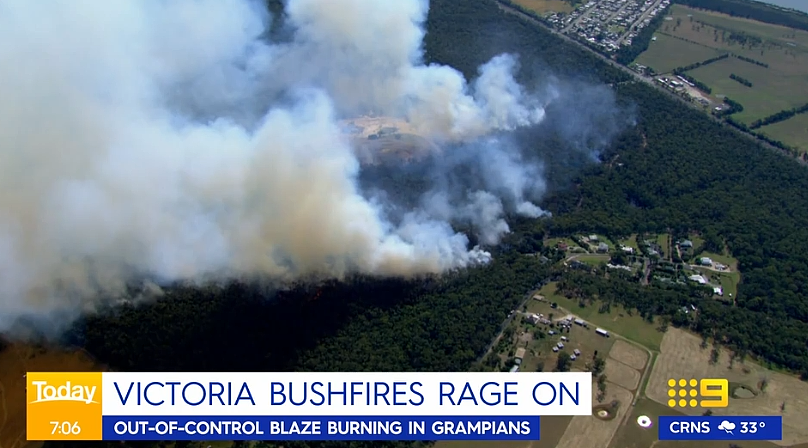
x: 639, y: 20
x: 507, y: 322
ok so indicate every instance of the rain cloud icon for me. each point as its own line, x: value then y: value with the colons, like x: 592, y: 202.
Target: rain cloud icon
x: 726, y: 426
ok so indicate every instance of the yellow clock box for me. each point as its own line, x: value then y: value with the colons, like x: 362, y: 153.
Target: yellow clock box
x: 63, y: 406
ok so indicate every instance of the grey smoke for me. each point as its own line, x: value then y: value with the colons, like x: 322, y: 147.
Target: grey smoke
x: 171, y: 141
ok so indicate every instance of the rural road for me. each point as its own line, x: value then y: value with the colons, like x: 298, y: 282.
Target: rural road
x: 625, y: 32
x: 575, y: 256
x: 639, y: 20
x: 711, y: 268
x: 504, y: 6
x: 507, y: 322
x: 646, y: 271
x: 578, y: 19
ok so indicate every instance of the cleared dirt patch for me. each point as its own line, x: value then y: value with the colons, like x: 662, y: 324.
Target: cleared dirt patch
x: 589, y: 431
x: 629, y: 354
x: 17, y: 359
x: 682, y: 357
x: 621, y: 374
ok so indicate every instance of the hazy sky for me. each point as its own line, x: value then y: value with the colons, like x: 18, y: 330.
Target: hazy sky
x: 801, y: 5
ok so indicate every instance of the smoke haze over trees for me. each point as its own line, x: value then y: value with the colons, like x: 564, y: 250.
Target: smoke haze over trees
x: 171, y: 141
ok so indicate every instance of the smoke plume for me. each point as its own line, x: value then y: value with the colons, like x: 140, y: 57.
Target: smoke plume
x: 173, y: 141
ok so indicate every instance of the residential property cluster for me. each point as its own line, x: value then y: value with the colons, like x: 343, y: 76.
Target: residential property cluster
x: 649, y: 262
x: 608, y: 24
x: 561, y: 325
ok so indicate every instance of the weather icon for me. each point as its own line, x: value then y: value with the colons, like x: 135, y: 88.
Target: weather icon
x: 644, y: 421
x: 726, y: 426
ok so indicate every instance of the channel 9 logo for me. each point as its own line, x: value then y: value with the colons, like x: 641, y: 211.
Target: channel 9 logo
x: 684, y: 393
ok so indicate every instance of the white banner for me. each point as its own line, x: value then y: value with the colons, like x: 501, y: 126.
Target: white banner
x: 345, y: 394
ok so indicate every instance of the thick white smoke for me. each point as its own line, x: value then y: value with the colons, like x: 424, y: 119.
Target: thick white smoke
x: 129, y: 146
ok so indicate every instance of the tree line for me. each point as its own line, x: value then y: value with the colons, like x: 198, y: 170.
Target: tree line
x: 695, y: 65
x: 783, y: 115
x: 740, y: 80
x: 792, y: 151
x: 751, y: 61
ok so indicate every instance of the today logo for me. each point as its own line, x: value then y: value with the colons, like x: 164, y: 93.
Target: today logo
x: 47, y: 393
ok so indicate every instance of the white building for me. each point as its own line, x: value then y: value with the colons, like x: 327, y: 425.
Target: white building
x: 698, y: 279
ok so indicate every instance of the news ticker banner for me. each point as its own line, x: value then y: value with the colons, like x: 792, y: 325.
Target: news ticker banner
x: 712, y: 427
x: 300, y: 406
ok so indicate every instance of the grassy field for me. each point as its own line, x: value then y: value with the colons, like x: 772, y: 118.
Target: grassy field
x: 693, y: 35
x: 631, y: 242
x: 792, y: 132
x: 617, y: 320
x: 778, y: 46
x: 663, y: 240
x: 593, y: 259
x: 553, y: 242
x: 775, y: 33
x: 697, y: 240
x: 771, y: 91
x: 534, y: 306
x: 724, y: 259
x: 729, y: 282
x: 543, y: 7
x: 603, y: 239
x: 666, y: 53
x: 624, y: 365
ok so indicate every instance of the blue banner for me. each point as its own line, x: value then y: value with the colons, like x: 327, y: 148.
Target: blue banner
x: 204, y: 428
x: 720, y: 428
